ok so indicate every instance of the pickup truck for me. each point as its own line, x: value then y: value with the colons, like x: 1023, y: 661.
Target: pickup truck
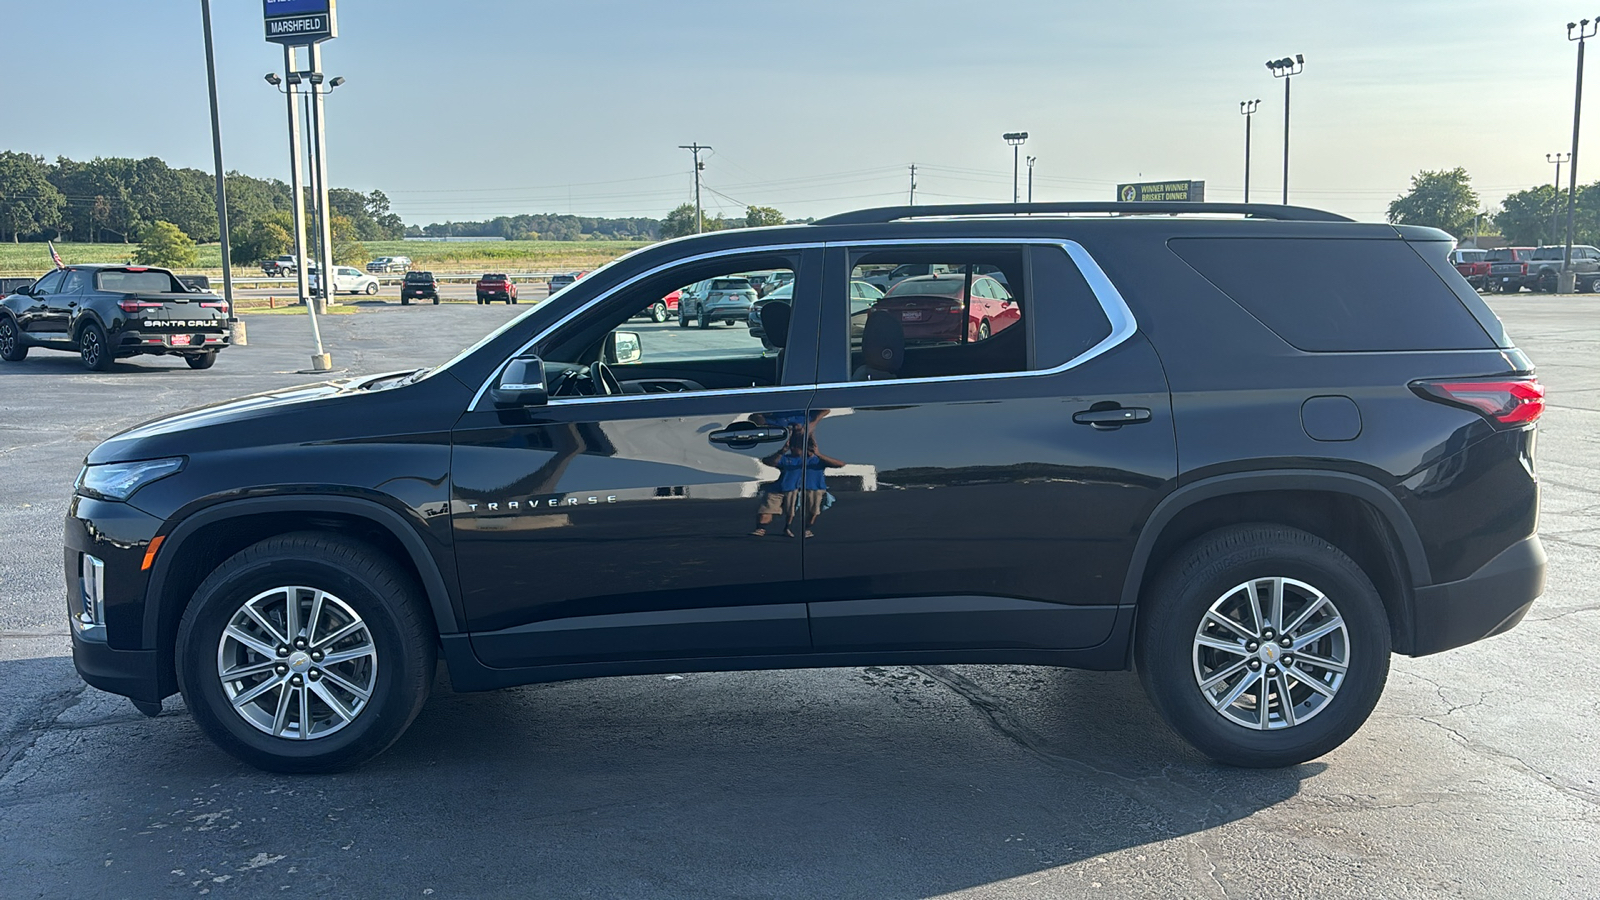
x: 108, y: 312
x: 1508, y: 269
x: 1544, y: 267
x: 496, y: 286
x: 278, y: 266
x: 1473, y: 264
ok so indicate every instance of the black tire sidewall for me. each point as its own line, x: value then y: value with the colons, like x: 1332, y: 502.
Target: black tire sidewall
x: 18, y: 352
x: 1182, y: 594
x: 387, y: 713
x: 102, y: 362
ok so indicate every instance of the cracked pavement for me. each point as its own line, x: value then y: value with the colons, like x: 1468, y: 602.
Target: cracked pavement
x: 1476, y: 776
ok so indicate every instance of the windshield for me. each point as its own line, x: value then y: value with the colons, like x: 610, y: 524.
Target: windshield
x: 123, y: 281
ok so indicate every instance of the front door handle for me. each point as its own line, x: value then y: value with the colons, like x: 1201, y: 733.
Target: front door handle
x: 1112, y: 417
x: 748, y: 436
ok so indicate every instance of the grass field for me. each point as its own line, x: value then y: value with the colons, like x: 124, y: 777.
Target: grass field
x: 439, y: 256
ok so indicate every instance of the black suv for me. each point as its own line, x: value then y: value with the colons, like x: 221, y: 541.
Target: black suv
x: 1169, y: 449
x: 108, y: 312
x: 419, y: 286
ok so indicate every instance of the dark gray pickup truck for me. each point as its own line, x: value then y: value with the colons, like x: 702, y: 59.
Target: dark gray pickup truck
x: 107, y: 312
x: 1544, y: 267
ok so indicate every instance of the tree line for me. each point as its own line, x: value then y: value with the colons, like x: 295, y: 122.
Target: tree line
x: 1533, y: 217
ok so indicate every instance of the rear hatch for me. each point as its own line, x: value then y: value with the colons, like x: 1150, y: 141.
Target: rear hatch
x: 154, y: 303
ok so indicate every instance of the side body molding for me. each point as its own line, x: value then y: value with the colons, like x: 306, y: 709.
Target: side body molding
x: 433, y: 583
x: 1415, y: 557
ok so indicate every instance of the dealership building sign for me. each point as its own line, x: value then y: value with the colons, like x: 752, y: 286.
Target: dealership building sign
x: 300, y: 22
x: 1168, y: 191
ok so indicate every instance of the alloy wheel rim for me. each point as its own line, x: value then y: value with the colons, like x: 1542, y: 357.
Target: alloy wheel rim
x: 91, y: 347
x: 8, y: 337
x: 297, y: 663
x: 1271, y: 653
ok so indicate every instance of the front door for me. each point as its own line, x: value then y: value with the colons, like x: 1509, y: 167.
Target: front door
x: 623, y: 526
x: 35, y: 317
x: 978, y: 488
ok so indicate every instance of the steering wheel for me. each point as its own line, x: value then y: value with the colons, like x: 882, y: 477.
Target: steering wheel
x: 602, y: 381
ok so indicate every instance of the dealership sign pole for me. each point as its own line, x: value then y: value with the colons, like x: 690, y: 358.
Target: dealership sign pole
x: 295, y: 24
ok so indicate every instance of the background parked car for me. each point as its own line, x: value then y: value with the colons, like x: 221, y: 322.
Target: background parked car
x: 419, y: 286
x: 1544, y: 267
x: 389, y: 264
x: 885, y: 281
x: 1472, y: 263
x: 663, y: 309
x: 348, y: 280
x: 278, y: 266
x: 929, y: 307
x: 1508, y: 268
x: 716, y: 300
x: 557, y: 282
x: 496, y: 286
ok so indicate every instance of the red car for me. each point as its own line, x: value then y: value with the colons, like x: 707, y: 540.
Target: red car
x: 496, y: 287
x: 663, y: 309
x: 929, y: 307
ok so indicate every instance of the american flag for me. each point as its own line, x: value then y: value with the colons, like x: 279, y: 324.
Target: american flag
x: 54, y: 255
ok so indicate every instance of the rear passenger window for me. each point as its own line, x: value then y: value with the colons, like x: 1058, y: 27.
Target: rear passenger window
x: 1337, y: 295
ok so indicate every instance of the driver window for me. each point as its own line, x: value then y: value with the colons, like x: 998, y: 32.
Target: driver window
x: 49, y: 284
x: 719, y: 325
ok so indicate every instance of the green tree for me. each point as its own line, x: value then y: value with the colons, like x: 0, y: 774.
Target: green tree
x: 757, y: 216
x: 1533, y: 217
x: 679, y: 222
x: 263, y: 238
x: 1442, y: 200
x: 29, y: 203
x: 164, y: 244
x: 347, y: 247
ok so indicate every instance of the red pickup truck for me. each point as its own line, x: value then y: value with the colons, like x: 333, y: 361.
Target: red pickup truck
x: 494, y: 287
x: 1472, y: 264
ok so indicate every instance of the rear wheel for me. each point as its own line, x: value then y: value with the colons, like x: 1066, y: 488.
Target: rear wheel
x: 11, y: 346
x: 372, y: 289
x: 405, y: 301
x: 305, y: 653
x: 983, y: 331
x: 201, y: 360
x: 94, y: 348
x: 1263, y: 645
x: 701, y: 320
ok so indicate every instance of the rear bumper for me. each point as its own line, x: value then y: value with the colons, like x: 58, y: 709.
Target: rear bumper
x: 1488, y: 602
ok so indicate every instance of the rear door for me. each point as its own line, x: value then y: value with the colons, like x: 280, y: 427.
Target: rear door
x: 980, y: 494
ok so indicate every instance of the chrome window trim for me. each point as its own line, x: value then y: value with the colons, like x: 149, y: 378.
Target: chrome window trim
x: 1123, y: 323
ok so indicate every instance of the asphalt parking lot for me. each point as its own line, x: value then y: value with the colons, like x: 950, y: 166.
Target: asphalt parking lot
x: 1476, y: 777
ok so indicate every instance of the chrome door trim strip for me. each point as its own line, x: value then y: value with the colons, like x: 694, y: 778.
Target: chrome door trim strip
x: 1123, y: 323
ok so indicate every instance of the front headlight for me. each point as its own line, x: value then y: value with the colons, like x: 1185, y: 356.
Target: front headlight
x: 118, y: 481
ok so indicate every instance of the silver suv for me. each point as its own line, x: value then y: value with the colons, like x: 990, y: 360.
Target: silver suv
x: 716, y: 300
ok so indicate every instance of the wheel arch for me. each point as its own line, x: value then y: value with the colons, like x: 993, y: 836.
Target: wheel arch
x: 1353, y: 513
x: 203, y: 540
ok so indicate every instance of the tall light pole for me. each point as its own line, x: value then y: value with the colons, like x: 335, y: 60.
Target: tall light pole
x: 320, y: 361
x: 1555, y: 208
x: 912, y: 200
x: 236, y: 332
x: 695, y: 148
x: 1579, y: 31
x: 1015, y: 139
x: 319, y: 150
x: 1286, y: 69
x: 1247, y: 108
x: 1031, y: 161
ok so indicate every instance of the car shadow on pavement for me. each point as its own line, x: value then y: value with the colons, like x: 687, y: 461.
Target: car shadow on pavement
x: 877, y: 782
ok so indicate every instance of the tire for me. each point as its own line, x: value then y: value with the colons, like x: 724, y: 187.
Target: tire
x: 436, y: 301
x: 1211, y: 574
x: 94, y: 348
x: 700, y: 319
x: 201, y: 360
x: 658, y: 313
x: 405, y: 301
x: 1510, y: 288
x: 372, y: 289
x: 1546, y: 284
x: 683, y: 318
x: 11, y: 347
x: 393, y: 653
x: 983, y: 330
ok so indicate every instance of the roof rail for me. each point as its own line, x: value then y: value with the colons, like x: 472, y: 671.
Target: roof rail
x: 886, y: 214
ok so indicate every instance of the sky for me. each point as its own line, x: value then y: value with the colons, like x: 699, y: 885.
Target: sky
x: 469, y: 109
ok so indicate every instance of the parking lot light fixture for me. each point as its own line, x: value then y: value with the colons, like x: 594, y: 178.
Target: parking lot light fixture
x: 1015, y: 139
x: 1286, y: 68
x: 1247, y: 108
x: 1579, y: 31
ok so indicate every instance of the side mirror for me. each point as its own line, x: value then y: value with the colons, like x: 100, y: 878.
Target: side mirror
x: 521, y: 384
x: 25, y: 290
x: 623, y: 347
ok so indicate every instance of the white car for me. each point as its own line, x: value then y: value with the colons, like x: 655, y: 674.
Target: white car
x: 346, y: 279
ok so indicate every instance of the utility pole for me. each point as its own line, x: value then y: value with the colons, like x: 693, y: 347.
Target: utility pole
x: 319, y: 147
x: 1031, y: 161
x: 1247, y: 108
x: 1286, y: 69
x: 320, y: 361
x: 1555, y: 211
x: 236, y: 333
x: 913, y: 200
x: 1015, y: 139
x: 699, y: 217
x: 1580, y: 32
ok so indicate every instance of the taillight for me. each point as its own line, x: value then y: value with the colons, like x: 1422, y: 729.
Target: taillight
x: 130, y: 306
x: 1524, y: 268
x: 220, y: 304
x: 1507, y: 401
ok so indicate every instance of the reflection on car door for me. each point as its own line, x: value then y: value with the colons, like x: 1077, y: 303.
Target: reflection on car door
x: 35, y: 317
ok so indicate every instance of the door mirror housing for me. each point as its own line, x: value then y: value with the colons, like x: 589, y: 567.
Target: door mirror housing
x: 623, y: 347
x: 521, y: 384
x: 25, y: 290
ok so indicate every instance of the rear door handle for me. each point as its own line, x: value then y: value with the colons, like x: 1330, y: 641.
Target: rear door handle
x: 1112, y: 417
x: 748, y: 436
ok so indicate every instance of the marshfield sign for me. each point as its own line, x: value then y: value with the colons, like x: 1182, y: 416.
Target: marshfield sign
x: 1157, y: 191
x: 300, y: 22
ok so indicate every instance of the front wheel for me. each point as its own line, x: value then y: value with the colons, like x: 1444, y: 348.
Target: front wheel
x: 11, y: 347
x: 305, y: 653
x: 201, y: 360
x: 372, y: 289
x: 1262, y: 645
x: 94, y: 348
x: 658, y: 313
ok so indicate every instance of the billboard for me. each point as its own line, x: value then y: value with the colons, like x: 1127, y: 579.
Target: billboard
x: 1169, y: 191
x: 300, y: 22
